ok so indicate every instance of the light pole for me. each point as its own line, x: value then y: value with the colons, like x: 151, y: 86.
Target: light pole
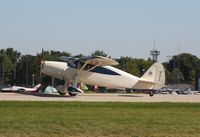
x: 14, y: 76
x: 3, y: 72
x: 33, y: 80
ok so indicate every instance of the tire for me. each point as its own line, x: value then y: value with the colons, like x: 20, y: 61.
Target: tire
x: 62, y: 93
x: 128, y: 90
x: 71, y: 94
x: 151, y: 94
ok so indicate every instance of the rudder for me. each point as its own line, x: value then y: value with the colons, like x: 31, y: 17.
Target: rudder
x: 155, y: 74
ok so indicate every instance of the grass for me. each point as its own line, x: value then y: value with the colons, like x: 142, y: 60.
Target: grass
x: 98, y: 119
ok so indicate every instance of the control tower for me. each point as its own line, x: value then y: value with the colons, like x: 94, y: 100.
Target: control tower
x: 154, y: 53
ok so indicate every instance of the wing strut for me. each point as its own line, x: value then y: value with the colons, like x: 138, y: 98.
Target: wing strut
x: 94, y: 67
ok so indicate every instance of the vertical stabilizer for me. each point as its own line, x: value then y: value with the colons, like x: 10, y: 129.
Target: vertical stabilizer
x: 155, y: 74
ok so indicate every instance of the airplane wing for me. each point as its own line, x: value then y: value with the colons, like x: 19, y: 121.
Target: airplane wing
x: 96, y: 60
x: 99, y: 61
x: 13, y: 88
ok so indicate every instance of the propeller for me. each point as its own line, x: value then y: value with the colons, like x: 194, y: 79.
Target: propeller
x: 41, y: 64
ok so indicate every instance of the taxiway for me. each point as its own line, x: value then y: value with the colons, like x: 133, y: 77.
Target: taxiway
x: 100, y: 97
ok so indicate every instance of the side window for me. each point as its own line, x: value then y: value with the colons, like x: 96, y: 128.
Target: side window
x: 98, y: 69
x: 103, y: 70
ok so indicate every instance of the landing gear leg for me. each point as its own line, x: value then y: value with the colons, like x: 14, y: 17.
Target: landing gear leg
x: 71, y: 89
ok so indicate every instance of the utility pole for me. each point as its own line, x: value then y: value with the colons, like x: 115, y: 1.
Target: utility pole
x: 27, y: 71
x: 33, y: 80
x: 178, y: 61
x: 3, y: 75
x: 14, y: 76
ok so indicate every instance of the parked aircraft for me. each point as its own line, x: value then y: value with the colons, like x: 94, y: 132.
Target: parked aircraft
x: 18, y: 89
x: 98, y: 71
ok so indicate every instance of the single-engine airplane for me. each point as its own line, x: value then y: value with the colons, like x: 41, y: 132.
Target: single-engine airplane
x: 98, y: 71
x: 19, y: 89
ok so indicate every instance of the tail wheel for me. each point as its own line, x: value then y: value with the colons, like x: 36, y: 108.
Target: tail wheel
x: 128, y: 90
x: 151, y: 94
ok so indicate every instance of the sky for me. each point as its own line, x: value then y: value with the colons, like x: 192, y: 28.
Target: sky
x: 118, y: 27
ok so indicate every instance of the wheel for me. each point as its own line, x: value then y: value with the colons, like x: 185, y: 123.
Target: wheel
x: 128, y: 90
x: 71, y: 94
x: 62, y: 93
x: 61, y: 90
x: 151, y: 94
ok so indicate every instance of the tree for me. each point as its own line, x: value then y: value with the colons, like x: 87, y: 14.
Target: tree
x: 197, y: 75
x: 187, y: 64
x: 6, y: 68
x: 14, y: 56
x: 79, y: 55
x: 135, y: 67
x: 177, y: 76
x: 99, y: 53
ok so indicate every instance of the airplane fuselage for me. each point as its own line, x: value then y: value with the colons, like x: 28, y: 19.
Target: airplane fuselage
x: 105, y: 76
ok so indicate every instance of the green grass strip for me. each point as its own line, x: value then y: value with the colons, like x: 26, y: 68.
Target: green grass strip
x: 98, y: 119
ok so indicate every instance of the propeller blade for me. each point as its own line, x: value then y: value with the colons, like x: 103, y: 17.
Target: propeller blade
x: 41, y: 64
x: 42, y: 55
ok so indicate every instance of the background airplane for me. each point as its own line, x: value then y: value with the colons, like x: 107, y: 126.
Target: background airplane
x: 18, y: 89
x: 98, y: 71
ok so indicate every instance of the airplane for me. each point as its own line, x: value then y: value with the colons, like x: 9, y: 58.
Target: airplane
x: 19, y: 89
x: 98, y: 70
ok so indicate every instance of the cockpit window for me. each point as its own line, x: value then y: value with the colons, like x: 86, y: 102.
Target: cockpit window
x: 91, y: 68
x: 103, y: 70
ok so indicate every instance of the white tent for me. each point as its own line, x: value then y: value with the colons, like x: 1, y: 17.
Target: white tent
x: 50, y: 90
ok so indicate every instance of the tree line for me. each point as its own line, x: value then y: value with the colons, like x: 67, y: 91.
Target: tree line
x: 18, y: 69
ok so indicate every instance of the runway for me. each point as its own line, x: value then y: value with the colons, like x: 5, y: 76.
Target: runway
x: 100, y: 97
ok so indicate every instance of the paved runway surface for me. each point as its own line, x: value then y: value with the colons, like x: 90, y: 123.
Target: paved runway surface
x: 101, y: 97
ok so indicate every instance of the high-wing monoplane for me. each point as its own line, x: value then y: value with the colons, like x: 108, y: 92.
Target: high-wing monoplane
x: 98, y: 71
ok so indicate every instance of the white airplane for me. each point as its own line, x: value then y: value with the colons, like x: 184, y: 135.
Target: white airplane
x: 18, y: 89
x: 98, y: 71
